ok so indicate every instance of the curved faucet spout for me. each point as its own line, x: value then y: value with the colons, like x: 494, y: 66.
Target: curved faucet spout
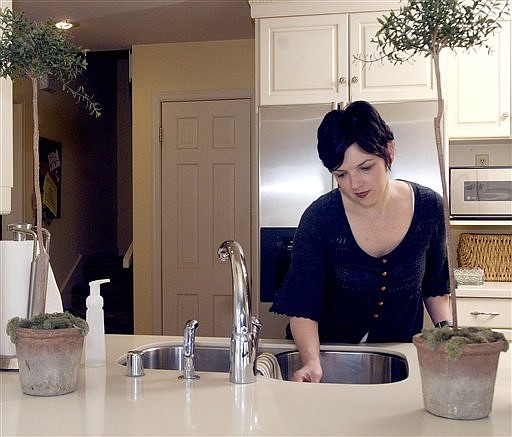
x: 232, y: 251
x: 244, y: 338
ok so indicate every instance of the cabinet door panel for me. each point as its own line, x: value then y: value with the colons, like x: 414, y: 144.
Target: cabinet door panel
x: 478, y: 89
x: 300, y: 59
x: 383, y: 81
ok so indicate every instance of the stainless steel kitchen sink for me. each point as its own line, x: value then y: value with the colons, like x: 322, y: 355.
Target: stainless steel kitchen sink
x: 339, y: 366
x: 350, y: 367
x: 170, y: 357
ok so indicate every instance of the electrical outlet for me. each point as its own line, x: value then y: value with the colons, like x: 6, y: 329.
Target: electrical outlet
x: 482, y: 160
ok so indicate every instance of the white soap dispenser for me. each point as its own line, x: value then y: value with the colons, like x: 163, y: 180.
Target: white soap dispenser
x: 95, y: 339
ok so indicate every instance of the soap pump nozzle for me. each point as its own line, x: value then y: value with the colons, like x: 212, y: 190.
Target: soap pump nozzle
x: 94, y: 297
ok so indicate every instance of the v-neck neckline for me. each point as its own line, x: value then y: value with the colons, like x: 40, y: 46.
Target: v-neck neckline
x: 413, y: 187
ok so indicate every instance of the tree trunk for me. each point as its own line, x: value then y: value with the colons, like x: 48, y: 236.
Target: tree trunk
x: 442, y: 169
x: 41, y: 265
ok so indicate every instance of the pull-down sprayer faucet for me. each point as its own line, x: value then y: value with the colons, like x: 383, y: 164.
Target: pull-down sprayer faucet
x: 189, y: 339
x: 245, y: 334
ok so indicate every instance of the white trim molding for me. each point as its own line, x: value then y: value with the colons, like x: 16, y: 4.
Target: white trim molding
x: 6, y: 137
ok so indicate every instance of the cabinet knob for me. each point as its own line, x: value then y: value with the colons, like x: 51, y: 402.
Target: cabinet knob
x: 343, y: 80
x: 505, y: 115
x: 355, y: 79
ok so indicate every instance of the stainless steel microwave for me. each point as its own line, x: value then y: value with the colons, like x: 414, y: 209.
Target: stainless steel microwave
x: 481, y: 192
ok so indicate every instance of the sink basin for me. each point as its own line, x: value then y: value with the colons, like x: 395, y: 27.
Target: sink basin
x: 340, y: 367
x: 170, y: 357
x: 350, y: 367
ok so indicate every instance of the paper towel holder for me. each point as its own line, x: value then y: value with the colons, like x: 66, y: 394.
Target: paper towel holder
x: 20, y: 232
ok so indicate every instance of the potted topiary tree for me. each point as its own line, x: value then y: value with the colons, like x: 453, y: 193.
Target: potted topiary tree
x: 449, y: 357
x: 34, y: 51
x: 48, y: 346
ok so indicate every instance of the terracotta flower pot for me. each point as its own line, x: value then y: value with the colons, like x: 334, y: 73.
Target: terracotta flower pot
x: 48, y: 360
x: 461, y: 389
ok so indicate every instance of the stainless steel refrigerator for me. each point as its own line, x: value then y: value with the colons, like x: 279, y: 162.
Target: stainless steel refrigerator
x: 292, y: 176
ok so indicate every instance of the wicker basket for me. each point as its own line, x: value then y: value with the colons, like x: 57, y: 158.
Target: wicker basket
x: 491, y: 252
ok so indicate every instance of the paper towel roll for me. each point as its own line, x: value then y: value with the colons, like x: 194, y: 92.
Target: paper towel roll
x: 15, y: 260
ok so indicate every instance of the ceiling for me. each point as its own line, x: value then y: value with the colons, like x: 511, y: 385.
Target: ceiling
x: 120, y: 24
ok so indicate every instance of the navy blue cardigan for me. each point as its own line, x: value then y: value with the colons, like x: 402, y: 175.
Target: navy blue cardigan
x: 333, y: 281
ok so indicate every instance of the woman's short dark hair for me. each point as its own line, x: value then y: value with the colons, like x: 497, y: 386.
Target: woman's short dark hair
x: 358, y: 123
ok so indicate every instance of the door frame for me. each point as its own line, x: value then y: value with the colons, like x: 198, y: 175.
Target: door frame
x: 17, y: 214
x: 156, y: 213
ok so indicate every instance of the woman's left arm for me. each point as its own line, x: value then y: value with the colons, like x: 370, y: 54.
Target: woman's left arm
x: 438, y: 308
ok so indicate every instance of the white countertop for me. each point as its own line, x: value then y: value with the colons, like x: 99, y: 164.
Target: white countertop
x: 109, y: 403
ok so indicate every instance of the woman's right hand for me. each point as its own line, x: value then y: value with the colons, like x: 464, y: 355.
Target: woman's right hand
x: 305, y: 335
x: 311, y: 372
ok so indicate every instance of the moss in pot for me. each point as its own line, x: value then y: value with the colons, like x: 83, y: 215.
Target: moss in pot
x: 48, y: 348
x: 453, y: 340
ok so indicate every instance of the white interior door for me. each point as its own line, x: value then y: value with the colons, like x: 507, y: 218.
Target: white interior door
x: 205, y: 200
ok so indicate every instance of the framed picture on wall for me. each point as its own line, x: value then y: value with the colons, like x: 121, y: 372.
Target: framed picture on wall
x: 50, y: 178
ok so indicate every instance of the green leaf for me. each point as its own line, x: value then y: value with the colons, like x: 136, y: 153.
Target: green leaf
x: 35, y: 50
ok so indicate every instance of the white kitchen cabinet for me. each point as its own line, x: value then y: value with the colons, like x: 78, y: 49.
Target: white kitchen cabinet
x: 310, y: 59
x: 383, y: 81
x: 301, y: 59
x: 478, y: 89
x: 488, y: 305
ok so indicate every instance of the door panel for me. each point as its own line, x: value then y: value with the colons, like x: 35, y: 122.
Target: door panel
x: 478, y: 95
x: 205, y: 200
x: 302, y: 59
x: 384, y: 81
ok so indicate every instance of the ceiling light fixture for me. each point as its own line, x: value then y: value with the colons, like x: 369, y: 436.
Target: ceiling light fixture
x: 66, y: 24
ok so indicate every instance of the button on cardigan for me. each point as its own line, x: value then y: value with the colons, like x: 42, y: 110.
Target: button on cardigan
x: 349, y: 293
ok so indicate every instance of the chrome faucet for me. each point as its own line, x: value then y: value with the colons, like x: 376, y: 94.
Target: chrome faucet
x: 245, y: 333
x: 189, y: 338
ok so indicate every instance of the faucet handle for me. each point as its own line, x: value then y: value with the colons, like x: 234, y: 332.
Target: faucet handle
x: 256, y: 326
x: 255, y: 330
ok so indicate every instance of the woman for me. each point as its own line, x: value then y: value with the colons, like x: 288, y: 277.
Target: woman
x: 368, y: 254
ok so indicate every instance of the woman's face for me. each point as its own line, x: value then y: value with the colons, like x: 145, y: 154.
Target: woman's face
x: 362, y: 177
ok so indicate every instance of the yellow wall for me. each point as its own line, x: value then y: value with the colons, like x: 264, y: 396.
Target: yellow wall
x: 177, y: 67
